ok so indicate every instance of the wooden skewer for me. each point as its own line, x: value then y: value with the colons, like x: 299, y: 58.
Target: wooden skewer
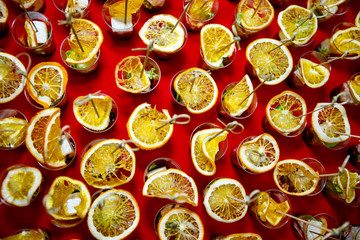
x: 126, y: 8
x: 28, y: 15
x: 148, y: 50
x: 257, y: 8
x: 181, y: 16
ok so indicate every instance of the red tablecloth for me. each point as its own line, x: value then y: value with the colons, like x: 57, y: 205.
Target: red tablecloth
x: 178, y: 148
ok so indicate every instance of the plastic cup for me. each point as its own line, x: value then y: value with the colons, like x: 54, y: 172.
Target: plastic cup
x: 165, y: 209
x: 117, y: 25
x: 13, y: 113
x: 241, y: 31
x: 60, y: 103
x: 37, y: 6
x: 175, y: 97
x: 87, y: 68
x: 20, y: 36
x: 323, y: 14
x: 320, y: 169
x: 159, y: 164
x: 344, y: 92
x: 153, y: 5
x: 193, y: 24
x: 208, y: 66
x: 80, y: 11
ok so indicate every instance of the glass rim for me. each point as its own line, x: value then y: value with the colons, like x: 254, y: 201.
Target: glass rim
x: 212, y: 67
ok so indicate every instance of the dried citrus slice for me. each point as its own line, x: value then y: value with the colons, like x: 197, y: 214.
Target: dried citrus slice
x: 95, y: 118
x: 56, y: 153
x: 12, y: 132
x: 146, y: 127
x: 214, y: 39
x: 35, y: 132
x: 33, y: 234
x: 260, y: 154
x: 357, y: 19
x: 346, y: 40
x: 272, y: 215
x: 259, y: 20
x: 285, y: 112
x: 348, y: 181
x: 50, y: 80
x: 201, y: 9
x: 4, y: 12
x: 298, y: 23
x: 114, y: 214
x: 354, y: 86
x: 21, y: 185
x: 271, y: 62
x: 12, y: 82
x: 262, y: 205
x: 180, y: 223
x: 31, y: 34
x: 233, y: 97
x: 197, y: 89
x: 331, y: 123
x: 173, y: 184
x: 158, y: 28
x: 295, y: 177
x: 107, y: 164
x: 128, y: 75
x: 28, y: 3
x: 314, y: 75
x: 117, y: 9
x: 90, y: 37
x: 243, y: 236
x: 324, y: 4
x: 315, y: 228
x: 67, y: 199
x: 223, y: 200
x: 203, y: 161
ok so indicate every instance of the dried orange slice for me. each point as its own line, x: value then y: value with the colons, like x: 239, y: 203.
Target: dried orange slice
x: 260, y: 154
x: 158, y: 28
x: 272, y: 215
x: 330, y: 122
x: 117, y: 8
x: 314, y: 75
x: 180, y: 223
x: 259, y: 20
x: 107, y: 164
x: 197, y: 89
x: 213, y: 41
x: 346, y: 183
x: 12, y: 82
x: 128, y: 75
x: 33, y: 234
x: 144, y: 128
x: 354, y: 86
x: 21, y: 185
x: 262, y: 205
x: 346, y: 40
x: 297, y: 22
x: 173, y: 184
x: 114, y: 214
x: 285, y: 112
x: 31, y: 34
x: 295, y: 177
x: 223, y: 200
x: 12, y: 132
x: 243, y: 236
x: 50, y: 80
x: 90, y: 37
x: 4, y: 12
x: 201, y: 9
x: 271, y: 62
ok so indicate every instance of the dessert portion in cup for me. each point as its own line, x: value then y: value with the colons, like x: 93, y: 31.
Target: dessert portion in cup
x: 208, y: 143
x: 33, y: 31
x: 256, y: 154
x: 217, y: 47
x: 67, y: 202
x: 199, y: 13
x: 46, y: 85
x: 80, y: 51
x: 13, y: 126
x: 349, y: 91
x: 120, y: 17
x: 163, y: 178
x: 238, y: 100
x: 31, y: 233
x: 4, y: 25
x: 52, y: 146
x: 194, y: 89
x: 267, y: 208
x: 285, y: 114
x: 330, y: 127
x: 20, y: 185
x: 133, y: 76
x: 312, y: 70
x: 31, y: 5
x: 168, y: 36
x: 252, y: 16
x: 345, y: 187
x: 178, y: 222
x: 153, y: 5
x: 96, y: 112
x: 298, y: 26
x: 325, y: 10
x: 77, y: 8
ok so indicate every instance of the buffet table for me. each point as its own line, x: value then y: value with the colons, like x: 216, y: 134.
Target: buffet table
x: 178, y: 148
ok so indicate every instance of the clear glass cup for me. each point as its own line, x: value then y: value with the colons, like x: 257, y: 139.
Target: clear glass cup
x: 296, y: 78
x: 160, y: 164
x: 225, y: 63
x: 278, y: 197
x: 87, y: 68
x: 60, y: 103
x: 194, y: 24
x: 36, y: 190
x: 308, y: 232
x: 12, y: 113
x: 346, y: 92
x: 81, y: 10
x: 40, y: 233
x: 334, y: 191
x: 323, y: 14
x: 153, y: 5
x: 223, y: 111
x: 36, y: 6
x: 320, y: 169
x: 47, y: 45
x: 311, y: 138
x: 120, y: 28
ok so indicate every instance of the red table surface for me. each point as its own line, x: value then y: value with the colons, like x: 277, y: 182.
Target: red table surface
x: 178, y: 148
